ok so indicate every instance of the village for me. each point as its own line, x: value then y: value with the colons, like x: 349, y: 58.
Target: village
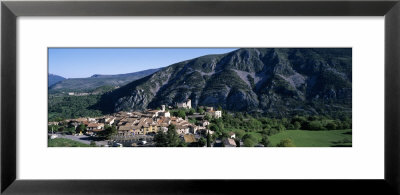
x: 137, y: 129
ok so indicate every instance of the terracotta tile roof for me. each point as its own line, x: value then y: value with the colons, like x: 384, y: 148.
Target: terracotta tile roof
x: 125, y: 128
x: 189, y: 138
x: 164, y: 125
x: 131, y: 120
x: 95, y: 124
x: 230, y: 142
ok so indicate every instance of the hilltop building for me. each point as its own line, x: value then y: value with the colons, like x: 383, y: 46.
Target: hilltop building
x: 214, y: 113
x: 186, y: 105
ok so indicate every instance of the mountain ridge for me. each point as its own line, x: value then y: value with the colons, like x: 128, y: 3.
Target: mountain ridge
x: 281, y: 81
x: 98, y: 80
x: 53, y: 79
x: 147, y: 71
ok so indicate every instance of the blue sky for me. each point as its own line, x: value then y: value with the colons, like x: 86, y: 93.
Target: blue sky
x: 84, y: 62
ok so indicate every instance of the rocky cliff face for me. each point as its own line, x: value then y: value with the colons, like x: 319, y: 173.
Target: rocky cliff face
x: 273, y: 81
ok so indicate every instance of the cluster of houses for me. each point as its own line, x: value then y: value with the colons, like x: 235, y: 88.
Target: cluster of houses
x: 148, y: 122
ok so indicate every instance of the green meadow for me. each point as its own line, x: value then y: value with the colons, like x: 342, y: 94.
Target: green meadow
x: 62, y: 142
x: 305, y: 138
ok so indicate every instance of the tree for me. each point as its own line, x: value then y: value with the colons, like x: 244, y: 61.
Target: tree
x: 214, y: 137
x: 172, y: 136
x: 70, y: 130
x: 182, y: 144
x: 202, y: 142
x: 58, y: 119
x: 297, y: 125
x: 272, y: 131
x: 108, y: 132
x: 191, y: 111
x: 53, y: 128
x: 181, y: 113
x: 281, y: 128
x: 208, y: 139
x: 254, y: 124
x: 290, y: 127
x: 286, y: 143
x: 161, y: 139
x: 315, y: 125
x: 214, y: 128
x: 302, y: 120
x: 339, y: 124
x: 267, y: 127
x: 220, y: 123
x: 347, y: 123
x: 240, y: 133
x: 60, y: 129
x: 249, y: 142
x: 113, y: 131
x: 265, y: 141
x: 331, y: 125
x: 81, y: 128
x: 200, y: 110
x: 207, y: 117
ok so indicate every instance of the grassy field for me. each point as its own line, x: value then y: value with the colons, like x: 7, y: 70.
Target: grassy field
x: 62, y: 142
x: 304, y: 138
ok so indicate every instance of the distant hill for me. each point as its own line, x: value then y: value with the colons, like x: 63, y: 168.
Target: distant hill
x: 144, y: 72
x: 276, y: 81
x: 53, y: 79
x: 96, y: 81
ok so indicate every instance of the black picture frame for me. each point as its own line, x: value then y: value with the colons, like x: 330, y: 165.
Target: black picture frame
x: 11, y: 10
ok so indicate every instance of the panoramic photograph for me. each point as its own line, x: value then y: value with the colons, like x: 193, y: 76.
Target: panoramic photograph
x: 199, y: 97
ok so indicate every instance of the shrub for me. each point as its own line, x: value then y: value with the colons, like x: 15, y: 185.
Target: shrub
x: 251, y: 137
x: 291, y: 127
x: 315, y: 125
x: 286, y: 143
x: 265, y: 141
x: 248, y: 142
x: 273, y: 131
x: 297, y: 125
x: 331, y: 125
x: 281, y: 128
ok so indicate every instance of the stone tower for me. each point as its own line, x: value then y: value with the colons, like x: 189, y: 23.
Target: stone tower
x: 189, y: 103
